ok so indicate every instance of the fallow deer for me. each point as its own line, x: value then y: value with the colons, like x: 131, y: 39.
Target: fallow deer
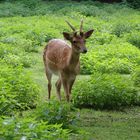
x: 62, y: 59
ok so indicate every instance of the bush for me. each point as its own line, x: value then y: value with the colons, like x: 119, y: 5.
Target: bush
x: 111, y: 58
x: 121, y: 28
x: 55, y: 113
x: 134, y: 38
x: 14, y: 56
x: 28, y: 128
x: 115, y: 65
x: 28, y: 45
x: 136, y: 76
x: 102, y: 38
x: 90, y: 10
x: 32, y: 4
x: 134, y: 3
x: 105, y: 91
x: 18, y: 60
x: 17, y: 90
x: 6, y: 49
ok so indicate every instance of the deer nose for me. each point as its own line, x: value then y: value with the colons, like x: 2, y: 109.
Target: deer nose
x: 84, y: 51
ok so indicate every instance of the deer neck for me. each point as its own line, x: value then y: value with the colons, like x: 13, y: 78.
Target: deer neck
x: 74, y: 58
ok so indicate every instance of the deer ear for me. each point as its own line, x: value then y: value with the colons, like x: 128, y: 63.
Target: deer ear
x: 67, y: 36
x: 88, y: 34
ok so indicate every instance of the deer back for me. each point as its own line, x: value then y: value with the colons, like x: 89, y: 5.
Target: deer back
x: 56, y: 55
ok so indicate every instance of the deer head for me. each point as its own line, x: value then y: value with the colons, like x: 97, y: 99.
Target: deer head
x: 78, y: 39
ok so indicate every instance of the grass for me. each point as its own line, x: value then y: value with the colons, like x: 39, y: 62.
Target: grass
x: 110, y: 125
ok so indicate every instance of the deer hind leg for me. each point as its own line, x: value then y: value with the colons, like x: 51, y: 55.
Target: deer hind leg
x: 49, y: 77
x: 58, y: 88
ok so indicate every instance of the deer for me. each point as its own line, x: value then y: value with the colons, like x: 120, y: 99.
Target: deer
x: 63, y: 59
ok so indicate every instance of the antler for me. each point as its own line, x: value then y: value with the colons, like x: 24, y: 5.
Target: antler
x: 81, y: 26
x: 71, y: 26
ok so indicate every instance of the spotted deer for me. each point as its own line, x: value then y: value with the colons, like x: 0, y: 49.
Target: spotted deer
x: 62, y: 59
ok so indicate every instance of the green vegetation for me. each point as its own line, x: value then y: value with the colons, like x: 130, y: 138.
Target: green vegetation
x: 110, y: 125
x: 136, y: 77
x: 13, y: 128
x: 105, y: 91
x: 55, y: 113
x: 17, y: 90
x: 118, y: 57
x: 134, y: 3
x: 110, y: 71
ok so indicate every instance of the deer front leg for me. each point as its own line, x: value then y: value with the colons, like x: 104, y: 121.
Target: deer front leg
x: 66, y: 88
x: 71, y: 84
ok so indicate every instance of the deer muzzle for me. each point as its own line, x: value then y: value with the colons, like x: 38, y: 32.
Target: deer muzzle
x: 84, y: 50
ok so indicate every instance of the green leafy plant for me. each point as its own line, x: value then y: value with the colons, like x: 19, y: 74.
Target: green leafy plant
x: 31, y: 4
x: 136, y: 77
x: 103, y: 38
x: 55, y: 112
x: 29, y: 128
x: 122, y: 28
x: 134, y: 3
x: 111, y: 58
x: 105, y: 91
x: 17, y: 90
x: 134, y: 38
x: 6, y: 49
x: 18, y: 60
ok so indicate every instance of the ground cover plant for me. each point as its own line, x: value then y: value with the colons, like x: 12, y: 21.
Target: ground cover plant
x: 56, y: 113
x: 105, y: 91
x: 120, y: 58
x: 136, y: 77
x: 13, y: 128
x: 110, y: 71
x: 17, y: 90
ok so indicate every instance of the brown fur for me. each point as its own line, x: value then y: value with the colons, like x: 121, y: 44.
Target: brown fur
x: 63, y: 60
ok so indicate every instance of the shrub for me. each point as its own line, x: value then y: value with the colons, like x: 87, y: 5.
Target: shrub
x: 33, y: 41
x: 102, y: 38
x: 55, y: 113
x: 121, y: 28
x: 32, y: 4
x: 86, y: 64
x: 134, y: 3
x: 15, y: 56
x: 105, y: 91
x: 90, y: 10
x: 117, y: 57
x: 17, y: 90
x: 28, y: 128
x: 18, y: 60
x: 136, y: 76
x: 28, y: 45
x: 112, y: 65
x: 134, y: 38
x: 6, y: 49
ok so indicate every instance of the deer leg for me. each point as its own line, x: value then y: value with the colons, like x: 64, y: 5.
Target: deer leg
x: 49, y: 90
x: 58, y: 87
x: 49, y: 77
x: 66, y: 88
x: 71, y: 84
